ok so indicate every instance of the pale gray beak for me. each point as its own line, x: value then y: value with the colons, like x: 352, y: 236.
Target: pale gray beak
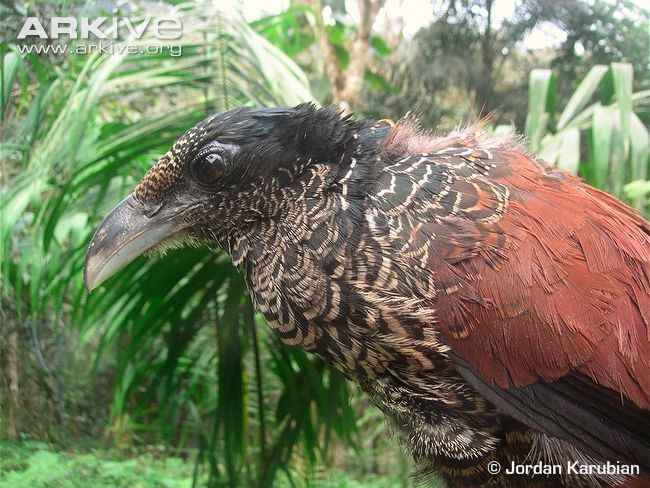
x: 127, y: 232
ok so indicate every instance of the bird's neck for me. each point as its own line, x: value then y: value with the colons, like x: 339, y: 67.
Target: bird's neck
x: 297, y: 256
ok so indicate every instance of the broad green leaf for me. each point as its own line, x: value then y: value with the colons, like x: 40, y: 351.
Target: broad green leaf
x: 622, y: 76
x: 619, y: 153
x: 569, y: 153
x: 640, y: 147
x: 540, y: 89
x: 380, y: 46
x: 583, y: 119
x: 549, y: 149
x: 582, y: 95
x: 637, y: 189
x: 602, y: 131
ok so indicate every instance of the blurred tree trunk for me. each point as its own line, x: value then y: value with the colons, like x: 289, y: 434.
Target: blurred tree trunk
x: 11, y: 372
x: 347, y: 84
x: 484, y: 86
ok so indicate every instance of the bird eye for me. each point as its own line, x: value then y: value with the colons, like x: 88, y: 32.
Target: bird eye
x: 209, y: 168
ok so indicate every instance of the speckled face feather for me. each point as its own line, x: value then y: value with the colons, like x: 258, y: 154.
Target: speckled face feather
x: 160, y: 180
x: 369, y: 245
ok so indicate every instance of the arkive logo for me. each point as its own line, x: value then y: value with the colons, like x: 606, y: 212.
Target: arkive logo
x: 161, y: 27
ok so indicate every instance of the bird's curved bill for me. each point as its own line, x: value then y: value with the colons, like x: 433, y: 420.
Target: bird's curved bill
x: 126, y: 233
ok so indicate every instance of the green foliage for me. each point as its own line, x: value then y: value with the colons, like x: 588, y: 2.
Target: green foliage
x: 617, y: 148
x: 31, y: 464
x: 295, y: 32
x: 38, y: 465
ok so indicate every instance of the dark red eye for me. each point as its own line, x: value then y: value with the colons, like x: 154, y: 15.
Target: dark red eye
x: 209, y: 168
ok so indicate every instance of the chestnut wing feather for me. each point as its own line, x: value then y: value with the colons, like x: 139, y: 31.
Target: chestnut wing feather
x: 569, y: 289
x: 552, y: 283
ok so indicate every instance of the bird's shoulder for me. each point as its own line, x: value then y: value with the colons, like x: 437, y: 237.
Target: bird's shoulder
x: 536, y: 274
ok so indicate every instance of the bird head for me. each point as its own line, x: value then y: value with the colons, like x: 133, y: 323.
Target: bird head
x: 219, y: 176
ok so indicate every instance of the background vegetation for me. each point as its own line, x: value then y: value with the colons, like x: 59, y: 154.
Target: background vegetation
x: 165, y: 376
